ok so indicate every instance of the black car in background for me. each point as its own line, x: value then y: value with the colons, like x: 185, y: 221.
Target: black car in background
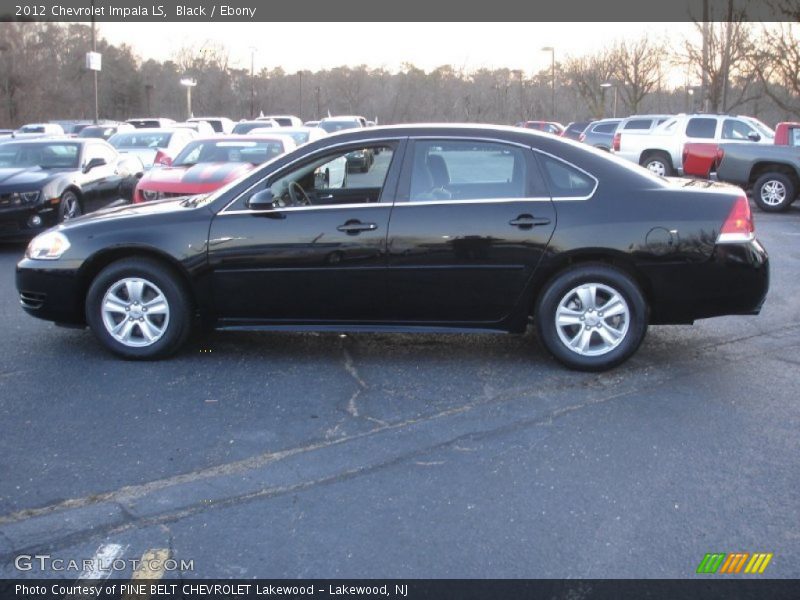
x: 574, y: 130
x: 45, y: 182
x: 455, y: 229
x: 104, y: 131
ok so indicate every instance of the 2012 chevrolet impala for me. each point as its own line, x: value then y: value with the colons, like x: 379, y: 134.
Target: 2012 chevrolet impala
x: 452, y: 229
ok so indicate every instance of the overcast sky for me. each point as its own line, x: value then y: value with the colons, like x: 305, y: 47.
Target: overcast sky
x: 313, y: 46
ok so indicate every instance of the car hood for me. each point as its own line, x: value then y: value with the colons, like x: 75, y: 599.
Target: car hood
x: 135, y: 211
x: 28, y: 176
x: 165, y: 178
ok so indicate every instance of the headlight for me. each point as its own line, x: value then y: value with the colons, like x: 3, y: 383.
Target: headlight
x: 151, y: 195
x: 47, y: 246
x: 23, y: 197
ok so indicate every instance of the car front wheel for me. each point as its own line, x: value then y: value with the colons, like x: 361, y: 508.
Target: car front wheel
x: 592, y: 317
x: 139, y: 309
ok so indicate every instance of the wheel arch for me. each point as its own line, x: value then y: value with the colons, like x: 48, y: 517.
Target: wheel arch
x: 101, y: 259
x: 764, y: 167
x: 560, y: 263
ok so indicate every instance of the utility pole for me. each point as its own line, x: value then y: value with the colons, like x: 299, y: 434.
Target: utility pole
x: 552, y: 52
x: 252, y: 83
x: 704, y: 84
x: 94, y: 71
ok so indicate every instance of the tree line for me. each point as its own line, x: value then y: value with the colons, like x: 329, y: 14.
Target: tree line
x: 746, y: 67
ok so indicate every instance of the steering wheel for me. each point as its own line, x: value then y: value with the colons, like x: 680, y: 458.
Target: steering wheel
x: 298, y: 195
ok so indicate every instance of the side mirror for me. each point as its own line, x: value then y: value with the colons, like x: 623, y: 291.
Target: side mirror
x: 753, y: 137
x: 263, y: 200
x: 94, y: 163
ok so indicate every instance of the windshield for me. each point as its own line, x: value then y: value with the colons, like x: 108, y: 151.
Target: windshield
x: 31, y: 129
x: 333, y: 126
x: 44, y: 155
x: 245, y: 151
x: 250, y: 125
x: 762, y: 128
x: 138, y: 139
x: 97, y: 132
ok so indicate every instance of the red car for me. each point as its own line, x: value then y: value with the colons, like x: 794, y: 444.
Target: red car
x: 546, y: 126
x: 207, y: 164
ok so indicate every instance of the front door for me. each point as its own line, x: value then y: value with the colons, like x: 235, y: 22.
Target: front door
x: 318, y: 255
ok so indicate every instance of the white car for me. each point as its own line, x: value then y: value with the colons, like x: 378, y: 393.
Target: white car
x: 218, y: 124
x: 203, y: 128
x: 283, y: 120
x: 153, y: 146
x: 301, y: 135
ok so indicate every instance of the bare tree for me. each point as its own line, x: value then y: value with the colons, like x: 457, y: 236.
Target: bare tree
x: 777, y: 64
x: 637, y: 70
x: 586, y: 74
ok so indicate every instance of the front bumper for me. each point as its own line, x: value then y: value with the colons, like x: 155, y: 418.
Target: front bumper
x: 15, y: 222
x: 50, y: 290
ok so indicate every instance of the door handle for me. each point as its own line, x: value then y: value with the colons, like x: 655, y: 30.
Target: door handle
x: 355, y: 227
x: 328, y: 197
x: 528, y: 221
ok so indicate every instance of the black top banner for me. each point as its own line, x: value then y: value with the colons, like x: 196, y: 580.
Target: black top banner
x: 407, y: 10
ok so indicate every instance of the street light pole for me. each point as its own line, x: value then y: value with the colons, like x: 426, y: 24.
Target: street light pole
x: 252, y: 83
x: 189, y: 83
x: 552, y: 52
x: 94, y: 72
x: 610, y: 85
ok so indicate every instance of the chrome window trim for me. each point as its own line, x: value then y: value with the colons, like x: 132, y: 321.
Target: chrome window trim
x: 300, y: 159
x: 574, y: 166
x: 471, y: 201
x: 313, y: 207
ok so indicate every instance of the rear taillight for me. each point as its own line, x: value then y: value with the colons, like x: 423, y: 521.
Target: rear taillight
x: 718, y: 160
x: 617, y: 140
x: 582, y: 137
x: 738, y: 227
x: 162, y: 158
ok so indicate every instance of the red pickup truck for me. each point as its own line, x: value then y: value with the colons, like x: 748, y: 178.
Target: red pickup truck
x: 700, y: 159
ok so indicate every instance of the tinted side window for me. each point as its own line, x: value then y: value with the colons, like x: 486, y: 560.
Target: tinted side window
x: 565, y: 180
x: 467, y: 170
x: 701, y: 127
x: 638, y: 124
x: 733, y: 129
x: 606, y: 128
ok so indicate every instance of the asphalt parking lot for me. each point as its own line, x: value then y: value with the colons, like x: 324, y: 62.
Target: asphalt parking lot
x: 325, y: 456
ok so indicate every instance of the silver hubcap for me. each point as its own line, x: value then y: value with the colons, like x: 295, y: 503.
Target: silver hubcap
x: 592, y: 319
x: 135, y: 312
x: 70, y: 206
x: 657, y: 167
x: 773, y: 193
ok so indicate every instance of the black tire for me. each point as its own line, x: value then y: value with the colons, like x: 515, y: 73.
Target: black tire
x: 608, y: 278
x: 659, y: 163
x: 774, y: 192
x: 69, y: 206
x: 177, y: 325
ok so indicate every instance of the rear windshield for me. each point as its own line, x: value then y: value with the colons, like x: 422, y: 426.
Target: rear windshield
x: 140, y: 140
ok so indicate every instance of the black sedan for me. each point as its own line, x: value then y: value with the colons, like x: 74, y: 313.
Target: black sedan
x: 45, y: 182
x: 454, y: 229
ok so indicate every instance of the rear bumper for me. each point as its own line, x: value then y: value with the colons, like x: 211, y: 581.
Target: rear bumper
x: 50, y: 291
x: 734, y: 281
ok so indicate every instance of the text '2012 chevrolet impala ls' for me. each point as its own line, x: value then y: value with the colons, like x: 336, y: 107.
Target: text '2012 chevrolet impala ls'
x: 451, y: 229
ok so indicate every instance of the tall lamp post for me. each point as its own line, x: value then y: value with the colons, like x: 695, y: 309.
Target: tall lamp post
x: 189, y: 83
x: 252, y: 82
x: 552, y: 52
x: 607, y: 85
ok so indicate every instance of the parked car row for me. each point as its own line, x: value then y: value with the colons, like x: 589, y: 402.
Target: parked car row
x: 731, y: 148
x: 48, y: 176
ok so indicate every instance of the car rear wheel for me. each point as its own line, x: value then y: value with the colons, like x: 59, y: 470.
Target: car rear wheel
x: 69, y: 206
x: 774, y: 192
x: 658, y: 163
x: 592, y: 317
x: 139, y: 309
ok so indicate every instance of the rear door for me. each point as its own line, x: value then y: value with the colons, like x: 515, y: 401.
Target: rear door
x: 469, y: 227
